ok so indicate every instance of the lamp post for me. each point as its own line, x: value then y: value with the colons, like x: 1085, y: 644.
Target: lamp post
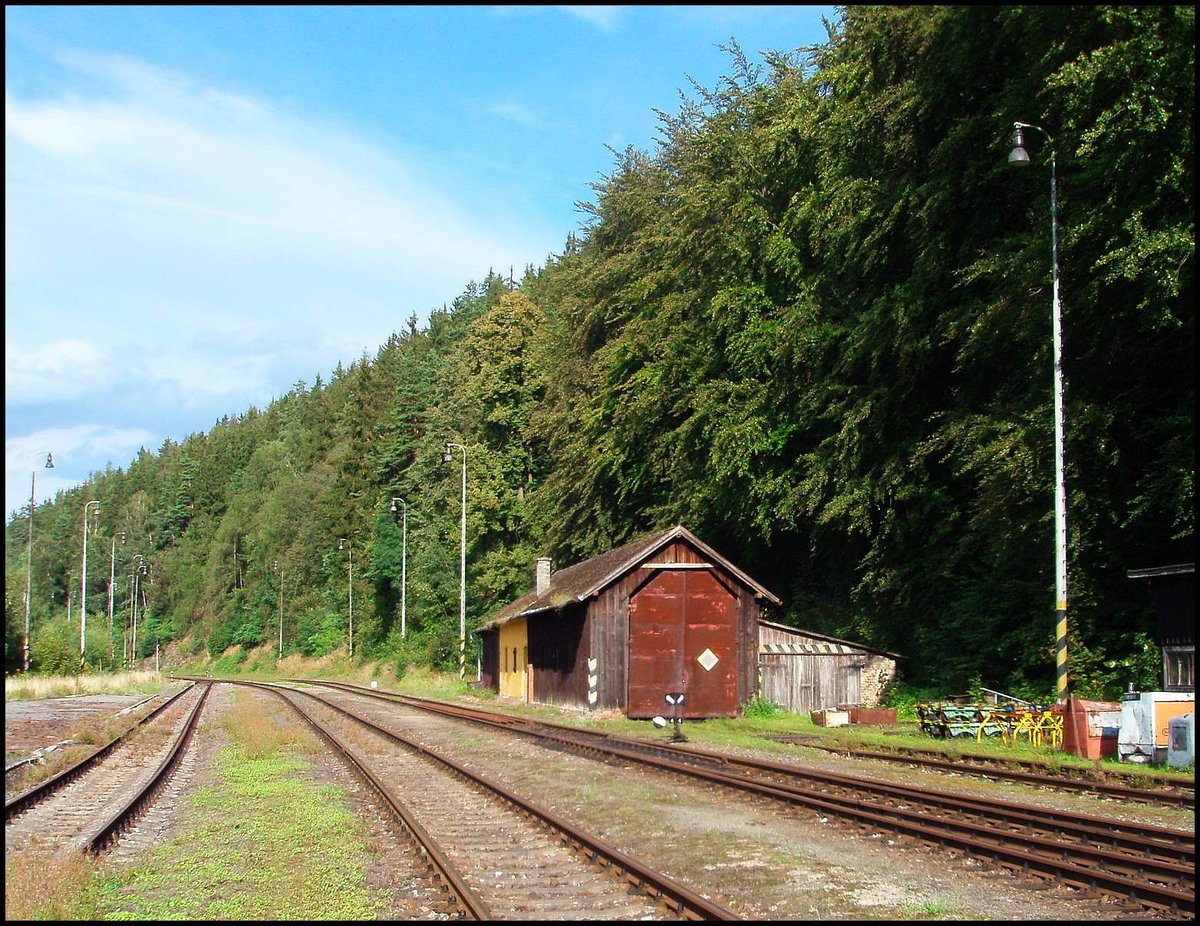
x: 83, y: 581
x: 403, y: 562
x: 277, y: 568
x: 350, y: 588
x: 448, y: 457
x: 1020, y: 158
x: 112, y: 575
x: 138, y: 571
x: 29, y: 571
x: 127, y: 624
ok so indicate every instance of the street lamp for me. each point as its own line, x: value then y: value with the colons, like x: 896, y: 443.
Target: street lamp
x: 448, y: 457
x: 277, y: 568
x: 112, y: 575
x: 1020, y: 158
x: 138, y: 571
x: 83, y: 581
x: 127, y: 624
x: 403, y: 562
x: 29, y: 571
x: 350, y: 588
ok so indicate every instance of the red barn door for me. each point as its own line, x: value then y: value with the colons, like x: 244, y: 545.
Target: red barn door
x: 683, y: 637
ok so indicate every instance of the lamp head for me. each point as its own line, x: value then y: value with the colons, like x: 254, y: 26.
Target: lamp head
x: 1018, y: 157
x: 341, y: 542
x: 447, y: 456
x: 49, y: 461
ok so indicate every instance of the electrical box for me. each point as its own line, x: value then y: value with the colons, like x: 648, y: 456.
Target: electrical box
x: 1181, y: 749
x: 1145, y: 724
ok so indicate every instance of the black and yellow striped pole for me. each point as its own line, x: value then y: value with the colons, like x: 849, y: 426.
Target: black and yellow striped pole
x: 1019, y: 157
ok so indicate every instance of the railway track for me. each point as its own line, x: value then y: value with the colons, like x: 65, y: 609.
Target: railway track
x: 498, y: 855
x: 1173, y: 792
x: 89, y: 804
x: 1144, y: 866
x: 23, y: 779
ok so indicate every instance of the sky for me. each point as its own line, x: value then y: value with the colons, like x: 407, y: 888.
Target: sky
x: 204, y: 206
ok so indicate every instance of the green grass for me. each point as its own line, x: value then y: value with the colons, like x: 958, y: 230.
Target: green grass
x: 932, y: 910
x: 264, y: 843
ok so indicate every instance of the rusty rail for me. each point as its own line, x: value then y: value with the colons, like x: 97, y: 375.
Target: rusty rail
x: 43, y: 789
x: 119, y: 820
x: 1023, y: 852
x: 685, y: 902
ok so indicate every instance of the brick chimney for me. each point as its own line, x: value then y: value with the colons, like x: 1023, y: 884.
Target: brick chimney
x: 543, y: 576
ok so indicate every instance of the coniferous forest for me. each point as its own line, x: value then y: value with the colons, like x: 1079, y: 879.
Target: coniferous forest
x: 813, y: 325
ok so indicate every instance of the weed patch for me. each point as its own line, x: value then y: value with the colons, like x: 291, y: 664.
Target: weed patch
x: 44, y: 885
x: 29, y: 687
x: 263, y: 843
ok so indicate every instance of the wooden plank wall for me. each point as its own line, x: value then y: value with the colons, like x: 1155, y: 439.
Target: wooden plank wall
x: 813, y: 681
x: 564, y: 647
x: 810, y: 683
x: 608, y: 644
x: 557, y: 650
x: 748, y: 645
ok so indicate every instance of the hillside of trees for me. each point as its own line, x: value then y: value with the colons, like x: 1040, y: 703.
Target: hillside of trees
x: 813, y: 326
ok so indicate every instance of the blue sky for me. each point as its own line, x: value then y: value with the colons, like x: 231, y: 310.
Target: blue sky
x: 205, y: 205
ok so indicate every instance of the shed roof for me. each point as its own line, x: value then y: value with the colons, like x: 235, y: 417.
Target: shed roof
x: 834, y: 644
x: 588, y: 578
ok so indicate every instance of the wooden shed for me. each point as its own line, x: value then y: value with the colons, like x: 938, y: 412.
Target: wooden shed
x: 803, y: 671
x: 663, y: 614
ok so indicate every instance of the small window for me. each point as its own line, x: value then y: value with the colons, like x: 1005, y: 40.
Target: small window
x: 1179, y: 668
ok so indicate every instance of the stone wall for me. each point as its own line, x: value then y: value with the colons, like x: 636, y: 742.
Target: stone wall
x: 876, y: 677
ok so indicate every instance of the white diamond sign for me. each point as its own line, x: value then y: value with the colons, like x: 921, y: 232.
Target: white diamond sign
x: 708, y: 659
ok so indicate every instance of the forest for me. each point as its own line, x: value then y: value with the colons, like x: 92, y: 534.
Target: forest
x: 813, y: 325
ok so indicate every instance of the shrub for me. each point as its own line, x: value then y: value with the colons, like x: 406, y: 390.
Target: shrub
x: 759, y: 708
x: 229, y: 661
x: 903, y: 697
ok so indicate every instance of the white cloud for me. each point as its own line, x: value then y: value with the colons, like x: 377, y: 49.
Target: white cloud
x: 605, y: 18
x: 64, y: 369
x: 29, y: 451
x: 75, y: 450
x: 172, y: 247
x: 159, y: 181
x: 202, y: 376
x: 165, y: 166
